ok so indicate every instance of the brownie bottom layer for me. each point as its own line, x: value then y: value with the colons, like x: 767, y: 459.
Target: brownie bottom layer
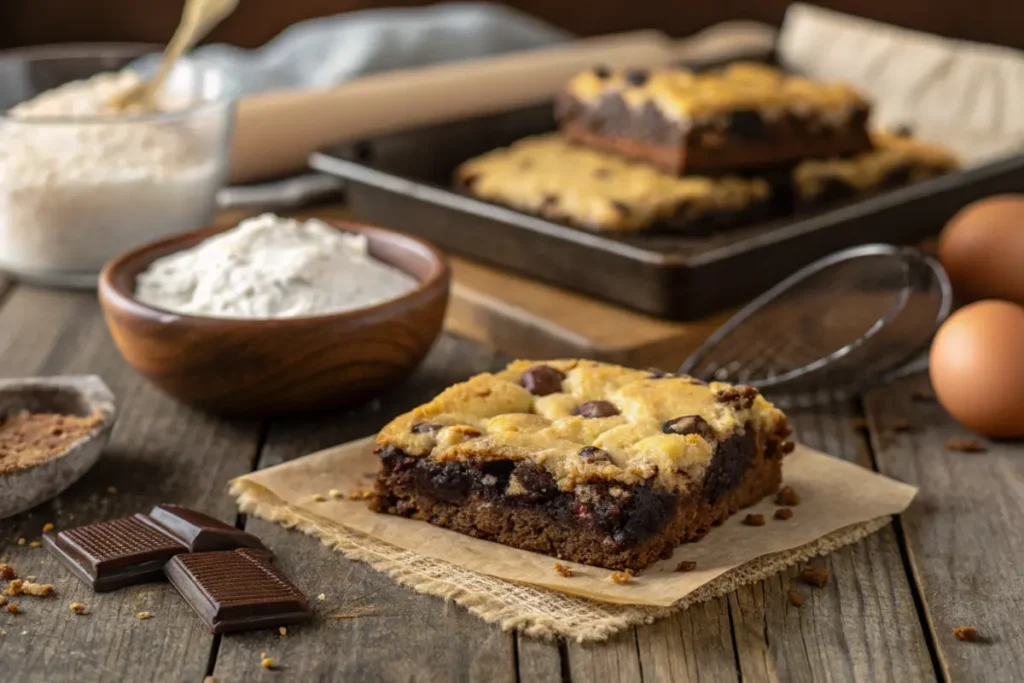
x: 540, y: 527
x: 728, y: 157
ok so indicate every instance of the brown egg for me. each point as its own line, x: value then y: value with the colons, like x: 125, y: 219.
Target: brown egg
x: 977, y: 367
x: 982, y: 249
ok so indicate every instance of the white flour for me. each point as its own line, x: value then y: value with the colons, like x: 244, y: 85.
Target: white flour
x: 73, y: 194
x: 272, y: 267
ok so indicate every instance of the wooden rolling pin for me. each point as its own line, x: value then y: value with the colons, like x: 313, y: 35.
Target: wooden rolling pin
x: 276, y: 131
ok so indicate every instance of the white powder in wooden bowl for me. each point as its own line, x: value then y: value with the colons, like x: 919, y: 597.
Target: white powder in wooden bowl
x: 272, y: 267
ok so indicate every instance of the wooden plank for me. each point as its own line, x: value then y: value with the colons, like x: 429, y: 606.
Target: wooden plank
x: 368, y: 627
x: 863, y: 626
x: 539, y: 661
x: 692, y: 645
x: 963, y: 533
x: 616, y: 660
x: 159, y: 452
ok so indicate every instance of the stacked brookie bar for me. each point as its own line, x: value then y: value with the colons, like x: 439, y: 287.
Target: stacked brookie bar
x: 584, y: 461
x: 670, y: 148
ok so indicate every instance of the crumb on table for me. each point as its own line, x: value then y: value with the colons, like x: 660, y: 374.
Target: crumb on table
x: 21, y: 541
x: 686, y: 566
x: 48, y: 527
x: 111, y: 490
x: 754, y: 519
x: 142, y: 616
x: 3, y: 600
x: 563, y: 570
x: 282, y: 631
x: 317, y: 498
x: 7, y: 572
x: 77, y: 607
x: 966, y: 445
x: 321, y: 597
x: 361, y: 494
x: 13, y: 609
x: 787, y: 496
x: 784, y: 513
x: 621, y: 577
x: 335, y: 493
x: 815, y: 575
x: 268, y: 663
x: 35, y: 544
x: 795, y: 598
x: 967, y: 634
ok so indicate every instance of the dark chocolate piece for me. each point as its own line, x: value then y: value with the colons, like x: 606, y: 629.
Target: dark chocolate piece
x: 636, y: 77
x: 596, y: 409
x: 132, y: 550
x: 237, y: 590
x: 423, y: 427
x: 541, y: 380
x: 594, y: 454
x: 113, y: 554
x: 689, y: 424
x: 198, y: 532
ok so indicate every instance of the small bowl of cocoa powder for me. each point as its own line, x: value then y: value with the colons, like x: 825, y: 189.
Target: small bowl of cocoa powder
x: 52, y: 430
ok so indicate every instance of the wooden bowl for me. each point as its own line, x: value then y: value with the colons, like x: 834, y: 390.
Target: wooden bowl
x: 264, y: 367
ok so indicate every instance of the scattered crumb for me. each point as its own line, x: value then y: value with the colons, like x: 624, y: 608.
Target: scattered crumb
x: 686, y: 566
x: 13, y: 609
x: 21, y: 541
x: 77, y: 607
x: 14, y: 587
x: 111, y: 490
x: 923, y: 396
x: 268, y: 663
x: 3, y: 600
x: 317, y: 498
x: 283, y: 631
x: 48, y: 527
x: 335, y: 493
x: 321, y: 597
x: 361, y: 494
x: 35, y: 544
x: 142, y: 616
x: 36, y: 590
x: 2, y: 633
x: 784, y: 514
x: 621, y: 577
x: 754, y: 520
x: 966, y: 445
x: 787, y: 496
x: 30, y: 578
x: 967, y: 634
x: 563, y: 570
x: 901, y: 426
x: 795, y: 598
x: 7, y: 572
x: 815, y: 575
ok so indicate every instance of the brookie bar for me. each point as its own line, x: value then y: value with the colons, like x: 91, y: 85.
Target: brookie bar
x: 547, y: 176
x: 745, y: 116
x: 581, y: 460
x: 896, y: 160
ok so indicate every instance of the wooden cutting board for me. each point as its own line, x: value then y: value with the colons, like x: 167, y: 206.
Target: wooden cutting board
x: 528, y: 319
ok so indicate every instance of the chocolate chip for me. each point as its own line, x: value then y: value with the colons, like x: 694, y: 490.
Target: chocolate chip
x: 592, y: 454
x: 602, y: 71
x: 601, y: 173
x: 541, y: 380
x: 422, y: 427
x: 745, y: 124
x: 689, y: 424
x: 596, y: 409
x: 469, y: 180
x: 636, y: 77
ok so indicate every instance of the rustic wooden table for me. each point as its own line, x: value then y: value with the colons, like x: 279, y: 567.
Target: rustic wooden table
x: 954, y: 559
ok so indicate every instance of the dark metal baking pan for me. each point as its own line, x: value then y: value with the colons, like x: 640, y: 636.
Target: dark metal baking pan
x: 403, y: 181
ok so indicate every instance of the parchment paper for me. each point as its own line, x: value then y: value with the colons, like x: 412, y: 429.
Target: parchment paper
x: 834, y: 495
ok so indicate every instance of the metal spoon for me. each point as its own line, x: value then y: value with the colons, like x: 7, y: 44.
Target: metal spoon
x: 197, y: 19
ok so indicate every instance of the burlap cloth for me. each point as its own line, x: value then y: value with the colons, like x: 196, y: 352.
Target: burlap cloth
x: 841, y: 504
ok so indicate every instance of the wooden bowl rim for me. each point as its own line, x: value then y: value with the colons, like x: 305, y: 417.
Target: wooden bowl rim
x: 111, y: 293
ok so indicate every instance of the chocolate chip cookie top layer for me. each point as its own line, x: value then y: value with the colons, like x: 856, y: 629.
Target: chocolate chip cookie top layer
x: 685, y: 95
x: 892, y: 153
x: 666, y: 428
x: 556, y: 179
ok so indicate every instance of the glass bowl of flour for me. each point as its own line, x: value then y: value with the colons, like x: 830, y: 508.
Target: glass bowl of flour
x: 80, y: 184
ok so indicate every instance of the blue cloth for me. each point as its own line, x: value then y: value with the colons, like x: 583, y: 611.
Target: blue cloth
x: 326, y: 51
